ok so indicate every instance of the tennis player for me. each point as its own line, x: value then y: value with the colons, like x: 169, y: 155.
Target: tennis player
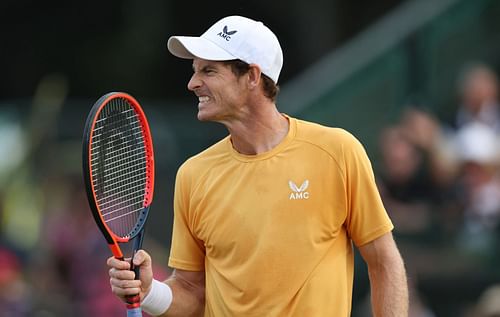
x: 265, y: 219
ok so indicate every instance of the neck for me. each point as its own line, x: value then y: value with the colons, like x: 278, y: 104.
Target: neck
x: 259, y: 131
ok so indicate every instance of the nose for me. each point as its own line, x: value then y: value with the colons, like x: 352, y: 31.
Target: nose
x: 194, y: 82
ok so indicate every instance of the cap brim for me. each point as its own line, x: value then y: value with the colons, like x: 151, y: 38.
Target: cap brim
x: 189, y: 47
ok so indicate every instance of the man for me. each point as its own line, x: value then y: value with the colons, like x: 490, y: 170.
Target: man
x: 264, y: 219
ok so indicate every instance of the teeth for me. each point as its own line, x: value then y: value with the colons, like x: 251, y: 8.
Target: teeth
x: 203, y: 98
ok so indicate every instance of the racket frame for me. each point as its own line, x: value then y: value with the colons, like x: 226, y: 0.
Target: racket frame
x: 112, y: 239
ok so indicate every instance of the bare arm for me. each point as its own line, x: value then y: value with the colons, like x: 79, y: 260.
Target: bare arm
x: 389, y: 289
x: 188, y: 288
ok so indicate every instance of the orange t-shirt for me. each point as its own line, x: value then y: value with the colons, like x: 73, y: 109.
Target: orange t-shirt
x: 273, y: 231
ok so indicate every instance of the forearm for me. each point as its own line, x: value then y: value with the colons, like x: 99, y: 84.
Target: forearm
x: 184, y: 296
x: 187, y: 301
x: 389, y: 290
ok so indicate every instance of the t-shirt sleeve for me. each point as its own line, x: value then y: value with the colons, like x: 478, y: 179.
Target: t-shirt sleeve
x: 187, y: 252
x: 367, y: 218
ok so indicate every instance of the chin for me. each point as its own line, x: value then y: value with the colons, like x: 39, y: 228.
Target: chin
x: 209, y: 114
x: 203, y: 116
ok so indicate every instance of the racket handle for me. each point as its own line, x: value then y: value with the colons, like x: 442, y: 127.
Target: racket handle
x: 134, y: 312
x: 134, y: 301
x: 133, y: 305
x: 137, y: 246
x: 134, y: 268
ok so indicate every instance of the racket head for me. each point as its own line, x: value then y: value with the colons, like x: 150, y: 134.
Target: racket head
x: 118, y: 167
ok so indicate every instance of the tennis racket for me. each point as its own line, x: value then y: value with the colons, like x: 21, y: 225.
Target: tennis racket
x: 118, y: 168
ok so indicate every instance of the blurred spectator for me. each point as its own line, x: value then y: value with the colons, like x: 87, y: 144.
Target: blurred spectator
x: 479, y: 152
x: 434, y: 141
x: 478, y: 92
x: 477, y: 149
x: 404, y: 183
x: 417, y: 174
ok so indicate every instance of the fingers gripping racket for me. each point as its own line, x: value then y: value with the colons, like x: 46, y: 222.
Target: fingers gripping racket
x: 118, y: 168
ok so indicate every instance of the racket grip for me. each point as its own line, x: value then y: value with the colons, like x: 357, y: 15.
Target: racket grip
x: 134, y: 312
x: 134, y: 268
x: 137, y: 246
x: 133, y: 303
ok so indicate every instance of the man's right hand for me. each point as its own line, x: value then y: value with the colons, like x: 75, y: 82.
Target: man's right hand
x: 122, y: 279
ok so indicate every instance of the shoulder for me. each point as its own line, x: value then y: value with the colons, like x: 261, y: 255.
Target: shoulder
x: 334, y: 140
x: 199, y: 163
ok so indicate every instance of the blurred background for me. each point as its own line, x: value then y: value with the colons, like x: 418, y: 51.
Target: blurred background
x: 415, y: 80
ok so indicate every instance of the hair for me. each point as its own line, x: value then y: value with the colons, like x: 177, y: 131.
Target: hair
x: 239, y: 68
x: 471, y: 70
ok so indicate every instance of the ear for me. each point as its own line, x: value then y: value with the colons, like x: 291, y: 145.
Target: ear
x: 254, y: 75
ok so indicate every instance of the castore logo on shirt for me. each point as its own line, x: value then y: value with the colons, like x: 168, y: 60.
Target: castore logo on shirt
x: 299, y: 192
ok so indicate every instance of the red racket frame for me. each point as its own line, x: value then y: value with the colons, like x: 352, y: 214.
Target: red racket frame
x: 112, y: 239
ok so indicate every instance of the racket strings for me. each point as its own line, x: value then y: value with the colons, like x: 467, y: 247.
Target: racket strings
x: 118, y: 161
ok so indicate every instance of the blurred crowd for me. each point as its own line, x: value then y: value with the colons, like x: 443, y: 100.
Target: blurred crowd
x: 63, y: 273
x: 439, y: 179
x: 52, y: 256
x: 440, y: 182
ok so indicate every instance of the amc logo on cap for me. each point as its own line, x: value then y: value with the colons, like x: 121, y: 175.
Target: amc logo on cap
x: 225, y: 34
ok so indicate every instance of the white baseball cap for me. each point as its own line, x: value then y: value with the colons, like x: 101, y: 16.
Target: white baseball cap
x: 233, y: 37
x: 478, y: 142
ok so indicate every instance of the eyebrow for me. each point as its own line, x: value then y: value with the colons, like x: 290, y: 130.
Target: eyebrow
x: 204, y: 67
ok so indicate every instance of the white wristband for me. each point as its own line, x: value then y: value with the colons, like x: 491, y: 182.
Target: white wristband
x: 158, y: 299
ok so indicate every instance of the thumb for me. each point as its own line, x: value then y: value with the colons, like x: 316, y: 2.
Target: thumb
x: 143, y: 260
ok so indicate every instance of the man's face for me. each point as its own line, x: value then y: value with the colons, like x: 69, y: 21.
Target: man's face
x: 221, y: 94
